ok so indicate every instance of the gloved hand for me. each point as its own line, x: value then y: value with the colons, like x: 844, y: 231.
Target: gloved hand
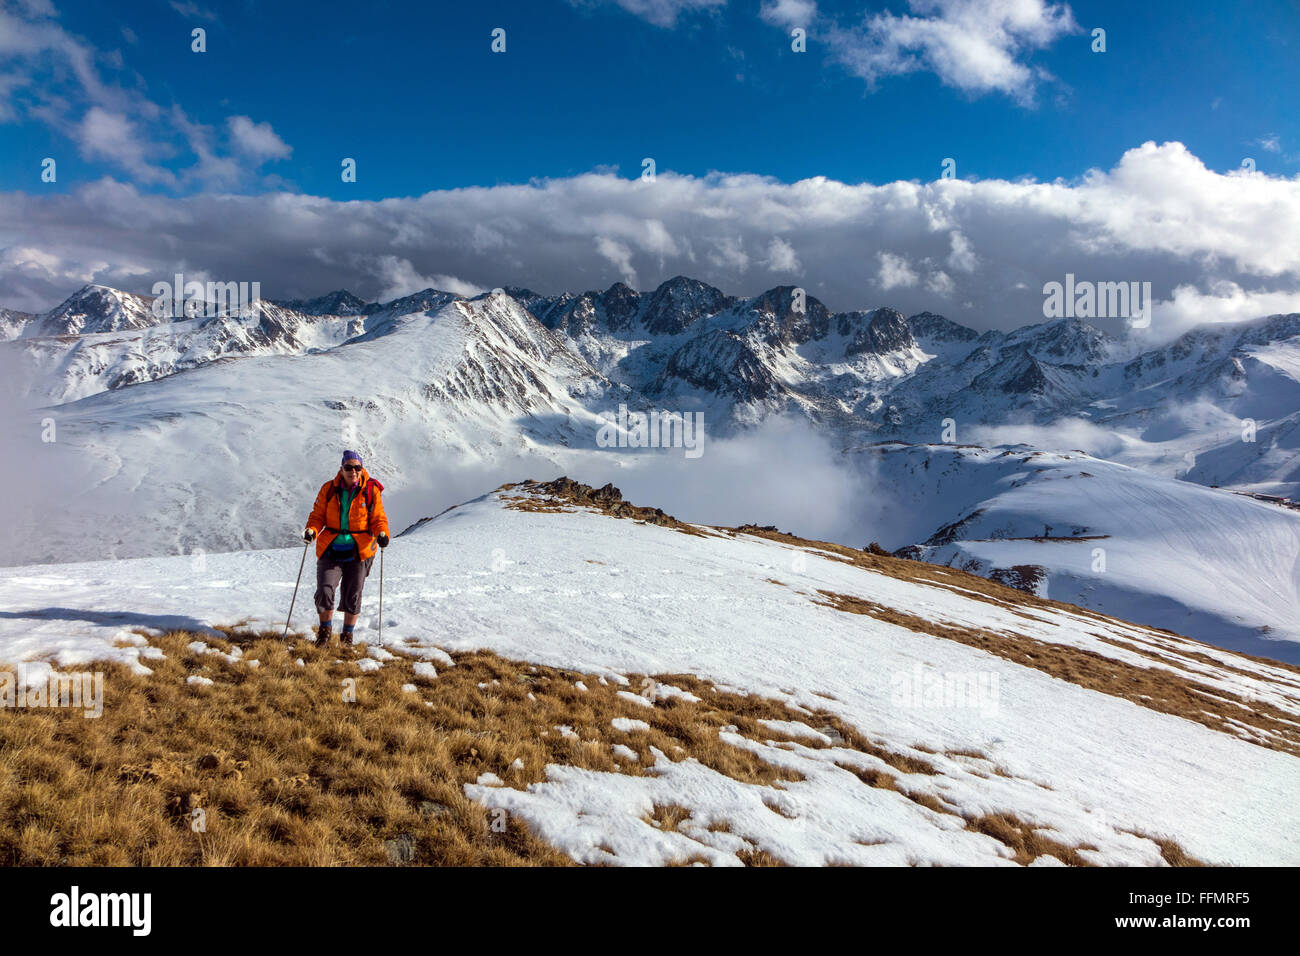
x: 383, y: 540
x: 309, y: 534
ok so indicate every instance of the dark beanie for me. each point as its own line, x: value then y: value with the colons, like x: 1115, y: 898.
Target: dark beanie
x: 350, y: 455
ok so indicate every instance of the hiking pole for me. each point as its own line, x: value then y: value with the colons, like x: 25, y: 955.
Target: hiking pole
x: 301, y: 565
x: 380, y: 640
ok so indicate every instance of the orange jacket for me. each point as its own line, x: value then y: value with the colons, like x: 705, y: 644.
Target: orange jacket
x: 362, y: 526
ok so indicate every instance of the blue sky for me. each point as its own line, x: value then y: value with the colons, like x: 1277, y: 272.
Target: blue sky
x: 413, y: 92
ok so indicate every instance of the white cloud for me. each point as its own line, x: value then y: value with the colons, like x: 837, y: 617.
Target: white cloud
x: 486, y: 238
x: 1225, y: 302
x: 941, y: 284
x: 113, y: 137
x: 9, y: 83
x: 35, y: 261
x: 1271, y: 143
x: 212, y: 169
x: 619, y: 255
x: 740, y: 477
x: 962, y: 258
x: 781, y: 256
x: 257, y: 140
x: 1065, y: 434
x: 1157, y: 215
x: 662, y: 13
x: 729, y: 254
x: 34, y: 39
x: 789, y: 13
x: 895, y: 271
x: 977, y: 46
x: 192, y: 10
x: 401, y: 278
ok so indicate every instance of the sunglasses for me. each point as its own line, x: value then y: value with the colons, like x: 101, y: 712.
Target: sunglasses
x: 351, y: 467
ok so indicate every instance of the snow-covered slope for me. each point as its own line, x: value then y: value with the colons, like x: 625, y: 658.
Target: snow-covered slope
x: 978, y: 703
x: 12, y: 323
x: 226, y: 454
x: 1209, y: 563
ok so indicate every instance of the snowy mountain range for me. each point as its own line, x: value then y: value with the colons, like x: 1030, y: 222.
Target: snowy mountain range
x: 1181, y: 408
x: 211, y: 433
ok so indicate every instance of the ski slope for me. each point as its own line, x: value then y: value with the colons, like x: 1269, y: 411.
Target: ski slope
x: 583, y: 590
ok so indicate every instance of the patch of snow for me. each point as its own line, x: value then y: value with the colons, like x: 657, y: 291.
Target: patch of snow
x: 627, y: 724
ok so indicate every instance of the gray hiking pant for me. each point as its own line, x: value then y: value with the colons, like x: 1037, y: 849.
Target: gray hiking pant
x: 331, y: 573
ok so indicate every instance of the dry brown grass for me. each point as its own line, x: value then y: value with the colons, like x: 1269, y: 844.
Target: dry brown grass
x: 1171, y: 852
x: 287, y: 772
x: 666, y: 816
x: 1027, y: 842
x: 284, y: 770
x: 759, y: 858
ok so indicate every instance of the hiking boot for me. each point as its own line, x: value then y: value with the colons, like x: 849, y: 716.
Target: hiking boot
x: 323, y: 634
x: 346, y: 638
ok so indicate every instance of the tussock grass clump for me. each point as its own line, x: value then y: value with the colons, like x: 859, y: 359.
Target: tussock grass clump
x: 1024, y: 840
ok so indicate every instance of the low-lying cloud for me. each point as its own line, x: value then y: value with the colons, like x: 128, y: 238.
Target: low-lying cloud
x: 778, y: 473
x: 1066, y: 434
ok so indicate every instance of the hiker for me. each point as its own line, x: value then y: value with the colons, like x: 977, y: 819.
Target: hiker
x: 346, y: 523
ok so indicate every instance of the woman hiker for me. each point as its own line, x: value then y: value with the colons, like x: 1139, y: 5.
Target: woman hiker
x: 346, y: 522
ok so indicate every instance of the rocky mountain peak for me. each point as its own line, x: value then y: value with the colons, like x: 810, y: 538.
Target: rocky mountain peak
x: 98, y: 308
x: 621, y: 304
x: 780, y: 323
x: 421, y: 301
x: 877, y: 332
x: 338, y: 302
x: 679, y: 303
x: 930, y: 325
